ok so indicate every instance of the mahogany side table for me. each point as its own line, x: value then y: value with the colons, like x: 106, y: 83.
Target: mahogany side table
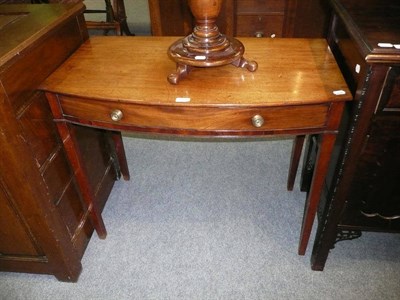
x: 119, y: 84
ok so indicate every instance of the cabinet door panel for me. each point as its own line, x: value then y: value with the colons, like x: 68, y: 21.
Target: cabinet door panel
x: 39, y: 128
x: 375, y: 190
x: 260, y: 25
x: 70, y: 209
x: 15, y: 238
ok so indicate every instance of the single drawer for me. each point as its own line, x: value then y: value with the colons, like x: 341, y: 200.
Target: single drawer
x: 260, y: 25
x: 203, y: 119
x: 259, y: 6
x: 34, y: 65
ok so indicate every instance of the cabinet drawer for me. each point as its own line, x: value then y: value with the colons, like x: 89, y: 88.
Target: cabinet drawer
x: 260, y: 25
x: 34, y: 65
x: 258, y: 6
x: 176, y: 118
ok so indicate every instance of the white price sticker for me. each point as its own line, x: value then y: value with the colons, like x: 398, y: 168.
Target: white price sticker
x: 182, y: 100
x: 339, y: 92
x: 385, y: 45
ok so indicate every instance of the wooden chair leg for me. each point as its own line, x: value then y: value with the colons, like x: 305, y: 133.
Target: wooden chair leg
x: 294, y: 160
x: 120, y: 16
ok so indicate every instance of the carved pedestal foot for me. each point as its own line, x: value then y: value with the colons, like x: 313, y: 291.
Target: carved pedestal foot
x: 244, y: 63
x: 182, y: 71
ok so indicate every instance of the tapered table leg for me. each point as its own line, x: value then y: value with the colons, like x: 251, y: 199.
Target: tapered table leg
x: 311, y: 205
x: 74, y: 155
x: 294, y: 160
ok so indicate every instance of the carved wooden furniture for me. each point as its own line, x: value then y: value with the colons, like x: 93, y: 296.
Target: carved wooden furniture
x: 363, y: 193
x: 115, y: 17
x: 261, y: 18
x: 44, y: 224
x: 206, y: 46
x: 303, y: 94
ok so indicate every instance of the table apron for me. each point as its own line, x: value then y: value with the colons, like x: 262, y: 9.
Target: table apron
x: 229, y: 121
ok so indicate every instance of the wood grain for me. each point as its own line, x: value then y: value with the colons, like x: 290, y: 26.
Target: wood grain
x: 135, y: 70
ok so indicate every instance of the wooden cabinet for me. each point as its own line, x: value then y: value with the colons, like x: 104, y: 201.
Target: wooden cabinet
x: 261, y: 18
x: 44, y: 225
x: 364, y: 192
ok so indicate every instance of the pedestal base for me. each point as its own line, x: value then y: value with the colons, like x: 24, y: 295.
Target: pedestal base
x: 186, y: 58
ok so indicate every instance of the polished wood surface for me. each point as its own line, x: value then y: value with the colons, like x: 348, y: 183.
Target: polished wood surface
x: 300, y: 93
x: 139, y: 62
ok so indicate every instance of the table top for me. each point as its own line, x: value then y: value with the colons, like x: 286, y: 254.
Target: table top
x: 135, y: 70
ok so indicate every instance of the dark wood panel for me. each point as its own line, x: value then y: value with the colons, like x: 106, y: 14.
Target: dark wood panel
x: 311, y: 19
x: 260, y: 6
x: 72, y: 209
x: 390, y: 98
x: 44, y: 227
x: 174, y: 18
x: 375, y: 188
x: 94, y: 146
x: 364, y: 194
x: 308, y: 18
x: 57, y: 175
x: 260, y: 25
x: 13, y: 227
x: 39, y: 129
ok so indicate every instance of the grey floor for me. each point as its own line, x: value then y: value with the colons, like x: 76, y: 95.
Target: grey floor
x: 207, y: 220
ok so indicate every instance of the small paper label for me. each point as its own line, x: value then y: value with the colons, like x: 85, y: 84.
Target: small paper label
x: 385, y: 45
x: 357, y: 68
x: 339, y: 92
x: 182, y: 100
x: 199, y: 57
x: 397, y: 46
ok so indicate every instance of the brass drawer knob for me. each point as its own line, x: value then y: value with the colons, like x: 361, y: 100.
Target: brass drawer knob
x: 257, y: 121
x: 116, y: 115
